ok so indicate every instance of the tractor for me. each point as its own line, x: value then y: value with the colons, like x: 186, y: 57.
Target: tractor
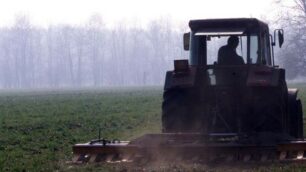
x: 201, y: 95
x: 228, y: 102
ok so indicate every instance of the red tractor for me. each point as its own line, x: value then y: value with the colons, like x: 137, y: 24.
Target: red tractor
x: 229, y: 101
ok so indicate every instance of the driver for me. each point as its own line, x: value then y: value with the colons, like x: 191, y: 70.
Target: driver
x: 227, y: 54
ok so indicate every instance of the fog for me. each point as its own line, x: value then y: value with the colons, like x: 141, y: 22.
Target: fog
x: 91, y: 54
x: 88, y: 55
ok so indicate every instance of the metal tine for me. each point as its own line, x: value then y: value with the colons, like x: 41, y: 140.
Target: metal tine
x: 246, y: 157
x: 86, y: 156
x: 83, y: 158
x: 117, y: 158
x: 76, y: 158
x: 283, y: 155
x: 126, y: 157
x: 92, y: 158
x: 109, y: 158
x: 137, y: 158
x: 300, y: 155
x: 141, y: 160
x: 101, y: 158
x: 195, y: 158
x: 230, y: 158
x: 264, y: 157
x: 179, y: 158
x: 212, y: 158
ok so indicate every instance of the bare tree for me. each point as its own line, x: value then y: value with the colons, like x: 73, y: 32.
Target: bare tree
x: 80, y: 46
x: 88, y: 55
x: 96, y: 41
x: 293, y: 20
x: 21, y: 35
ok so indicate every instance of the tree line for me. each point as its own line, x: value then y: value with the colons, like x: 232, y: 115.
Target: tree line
x: 292, y: 19
x: 87, y: 55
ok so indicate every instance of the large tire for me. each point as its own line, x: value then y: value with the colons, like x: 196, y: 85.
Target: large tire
x: 269, y: 111
x: 296, y: 118
x: 176, y: 110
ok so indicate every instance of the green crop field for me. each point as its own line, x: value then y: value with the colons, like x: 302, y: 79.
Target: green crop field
x: 38, y: 127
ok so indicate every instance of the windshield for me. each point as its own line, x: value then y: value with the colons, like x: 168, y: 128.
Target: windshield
x: 221, y: 49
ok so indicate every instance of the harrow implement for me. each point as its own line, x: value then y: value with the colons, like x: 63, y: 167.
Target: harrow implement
x: 187, y: 148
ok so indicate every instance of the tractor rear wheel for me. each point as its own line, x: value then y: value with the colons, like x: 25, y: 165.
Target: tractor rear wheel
x: 268, y: 109
x: 177, y: 107
x: 296, y: 118
x: 173, y: 109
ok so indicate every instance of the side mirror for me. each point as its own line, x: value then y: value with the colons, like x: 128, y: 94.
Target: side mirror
x: 280, y: 37
x: 186, y: 40
x: 280, y: 34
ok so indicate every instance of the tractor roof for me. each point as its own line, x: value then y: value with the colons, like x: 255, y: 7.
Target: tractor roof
x: 250, y: 24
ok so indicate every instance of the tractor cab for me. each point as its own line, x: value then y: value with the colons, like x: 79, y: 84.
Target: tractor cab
x: 207, y: 37
x: 210, y: 47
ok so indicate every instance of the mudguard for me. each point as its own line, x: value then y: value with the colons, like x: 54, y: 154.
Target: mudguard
x: 264, y: 76
x: 180, y: 80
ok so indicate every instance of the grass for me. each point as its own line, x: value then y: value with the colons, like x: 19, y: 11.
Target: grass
x: 38, y: 128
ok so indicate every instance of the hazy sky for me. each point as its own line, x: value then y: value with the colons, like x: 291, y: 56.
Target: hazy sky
x: 44, y: 12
